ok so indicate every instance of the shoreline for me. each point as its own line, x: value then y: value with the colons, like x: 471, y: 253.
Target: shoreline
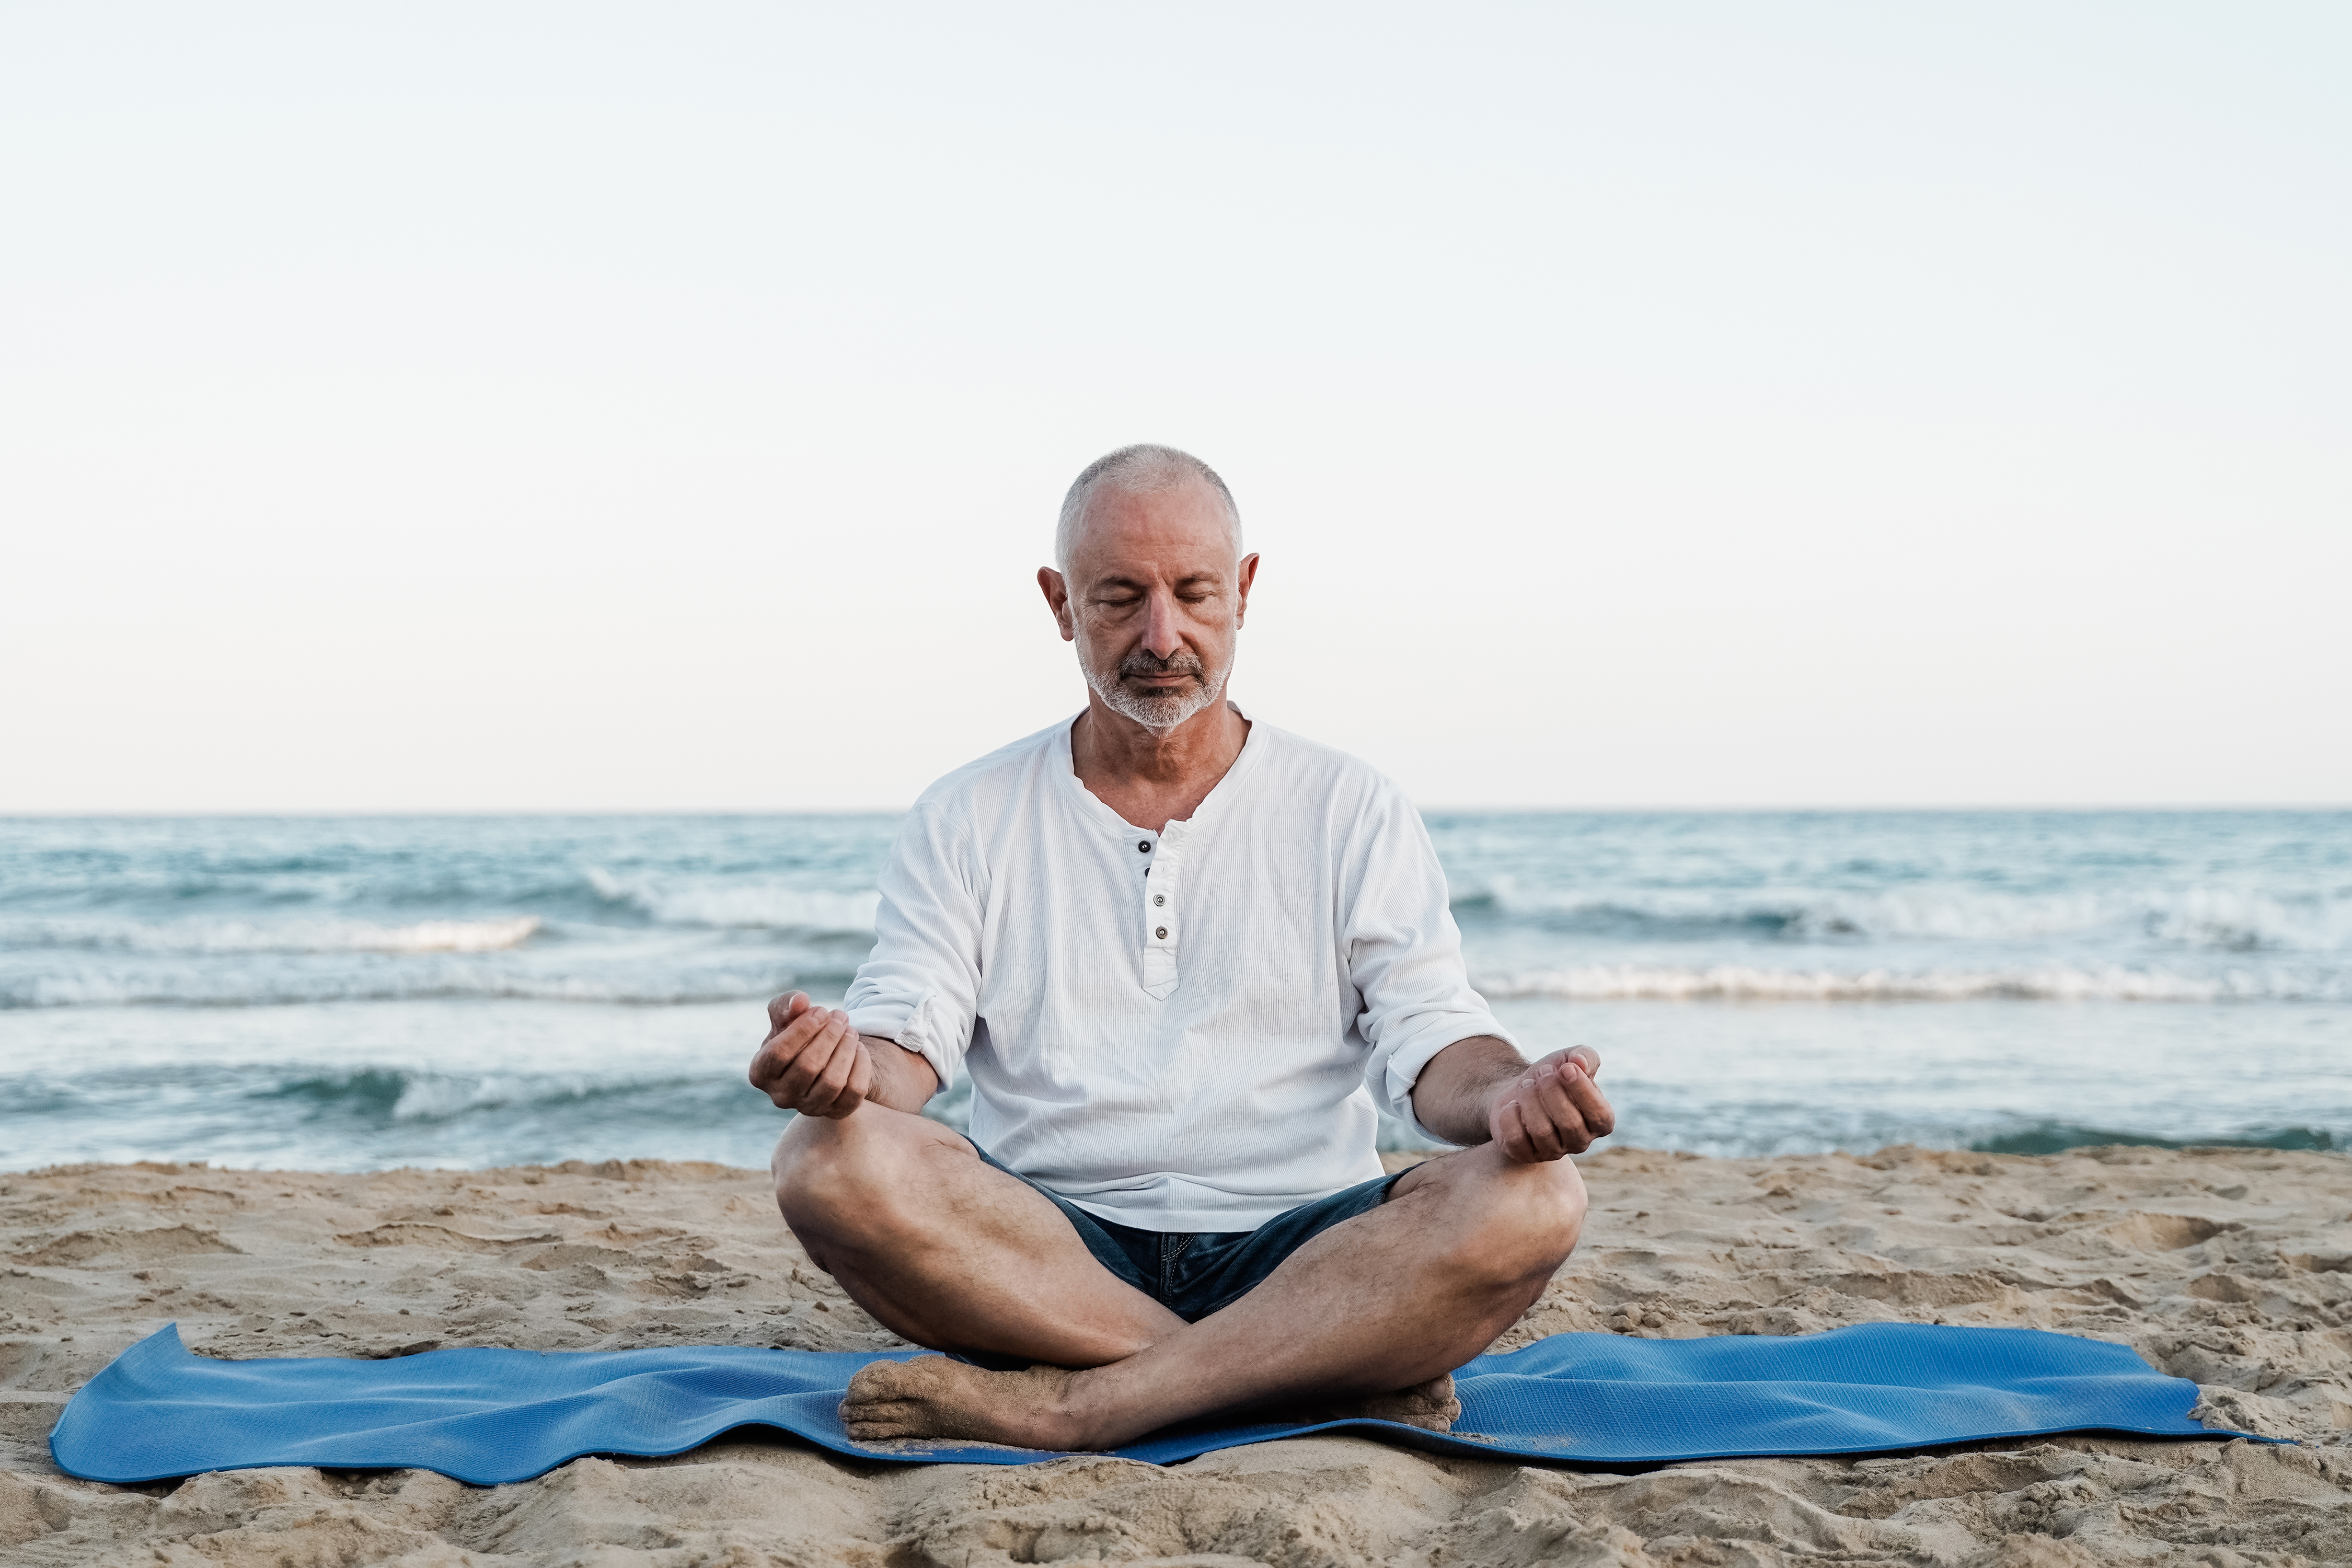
x: 2229, y: 1266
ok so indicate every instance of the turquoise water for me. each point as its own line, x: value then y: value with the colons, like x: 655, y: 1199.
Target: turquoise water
x: 356, y: 992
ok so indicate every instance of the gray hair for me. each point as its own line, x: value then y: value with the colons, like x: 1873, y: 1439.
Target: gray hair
x: 1140, y: 469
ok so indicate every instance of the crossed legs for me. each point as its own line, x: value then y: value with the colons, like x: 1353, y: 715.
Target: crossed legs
x: 954, y: 1254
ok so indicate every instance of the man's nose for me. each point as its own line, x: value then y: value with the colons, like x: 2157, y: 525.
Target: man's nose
x: 1161, y: 638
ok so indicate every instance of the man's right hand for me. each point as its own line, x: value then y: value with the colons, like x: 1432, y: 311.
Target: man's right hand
x: 812, y: 1061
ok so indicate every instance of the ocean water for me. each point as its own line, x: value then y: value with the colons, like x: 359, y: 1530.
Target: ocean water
x: 360, y: 993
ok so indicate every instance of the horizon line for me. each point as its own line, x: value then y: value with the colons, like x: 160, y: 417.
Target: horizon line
x: 39, y: 814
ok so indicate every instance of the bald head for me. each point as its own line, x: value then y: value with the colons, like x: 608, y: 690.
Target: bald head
x: 1139, y: 470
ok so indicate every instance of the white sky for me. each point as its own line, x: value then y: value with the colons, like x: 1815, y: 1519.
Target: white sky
x: 517, y: 407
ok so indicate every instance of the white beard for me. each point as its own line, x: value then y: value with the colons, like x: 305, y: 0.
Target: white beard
x: 1162, y: 713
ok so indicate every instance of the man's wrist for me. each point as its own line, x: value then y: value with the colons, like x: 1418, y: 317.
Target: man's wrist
x: 898, y: 1083
x: 1465, y: 1082
x: 1491, y: 1094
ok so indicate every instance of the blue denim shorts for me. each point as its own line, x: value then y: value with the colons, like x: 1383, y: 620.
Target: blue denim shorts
x: 1196, y: 1273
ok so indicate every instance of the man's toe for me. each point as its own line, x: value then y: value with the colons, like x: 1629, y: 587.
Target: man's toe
x: 1430, y: 1405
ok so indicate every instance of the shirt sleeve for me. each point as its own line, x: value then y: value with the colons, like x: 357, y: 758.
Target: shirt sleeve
x: 920, y: 986
x: 1405, y: 955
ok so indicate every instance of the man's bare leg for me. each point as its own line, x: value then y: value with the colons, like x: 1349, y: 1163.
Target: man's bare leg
x: 1389, y: 1299
x: 949, y: 1252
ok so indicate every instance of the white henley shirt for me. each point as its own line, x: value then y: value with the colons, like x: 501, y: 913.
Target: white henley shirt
x: 1184, y: 1030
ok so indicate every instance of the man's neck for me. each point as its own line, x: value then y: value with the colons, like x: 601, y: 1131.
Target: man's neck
x: 1153, y: 777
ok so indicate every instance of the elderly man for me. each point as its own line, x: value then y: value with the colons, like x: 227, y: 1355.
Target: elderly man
x: 1182, y: 955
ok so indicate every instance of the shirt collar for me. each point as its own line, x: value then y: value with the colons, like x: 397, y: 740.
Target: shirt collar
x: 1065, y: 772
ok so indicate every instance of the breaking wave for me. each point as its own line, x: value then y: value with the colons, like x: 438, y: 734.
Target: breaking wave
x: 399, y: 1094
x: 737, y: 904
x: 1743, y: 982
x: 2213, y: 918
x: 2057, y: 1137
x: 197, y: 937
x: 214, y: 989
x: 373, y: 1116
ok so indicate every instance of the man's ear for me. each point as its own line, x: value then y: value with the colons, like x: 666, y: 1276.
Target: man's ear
x: 1057, y: 594
x: 1245, y: 575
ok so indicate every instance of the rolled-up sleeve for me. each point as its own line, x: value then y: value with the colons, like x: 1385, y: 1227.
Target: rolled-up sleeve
x: 1405, y: 955
x: 920, y: 986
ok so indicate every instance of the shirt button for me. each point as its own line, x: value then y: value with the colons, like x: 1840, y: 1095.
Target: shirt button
x: 1161, y: 933
x: 1157, y: 899
x: 1145, y: 847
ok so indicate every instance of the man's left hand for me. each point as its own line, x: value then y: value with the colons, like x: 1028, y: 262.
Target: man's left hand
x: 1552, y: 1110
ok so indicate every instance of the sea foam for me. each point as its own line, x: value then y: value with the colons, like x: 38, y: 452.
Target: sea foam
x: 2230, y: 920
x: 99, y: 987
x: 243, y: 936
x: 1751, y: 982
x: 750, y: 904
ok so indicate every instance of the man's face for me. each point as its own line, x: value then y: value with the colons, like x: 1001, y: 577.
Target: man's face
x: 1154, y: 598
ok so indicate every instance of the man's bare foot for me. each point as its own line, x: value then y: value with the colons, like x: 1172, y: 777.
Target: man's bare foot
x: 932, y: 1396
x: 1430, y: 1404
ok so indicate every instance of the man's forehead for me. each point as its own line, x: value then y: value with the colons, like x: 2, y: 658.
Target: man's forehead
x: 1184, y: 523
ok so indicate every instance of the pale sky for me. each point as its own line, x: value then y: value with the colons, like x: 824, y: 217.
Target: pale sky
x: 452, y: 406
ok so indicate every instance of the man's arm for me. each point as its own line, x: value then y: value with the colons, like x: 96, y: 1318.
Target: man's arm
x: 1482, y: 1091
x: 814, y: 1063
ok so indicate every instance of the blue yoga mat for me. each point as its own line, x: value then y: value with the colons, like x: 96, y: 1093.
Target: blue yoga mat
x: 493, y: 1416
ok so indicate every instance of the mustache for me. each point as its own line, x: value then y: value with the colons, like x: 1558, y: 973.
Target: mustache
x: 1143, y: 662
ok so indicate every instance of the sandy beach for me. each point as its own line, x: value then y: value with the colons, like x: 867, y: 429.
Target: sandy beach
x: 2232, y: 1267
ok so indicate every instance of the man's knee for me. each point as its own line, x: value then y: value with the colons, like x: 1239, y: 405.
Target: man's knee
x: 823, y: 1169
x: 850, y: 1176
x: 1525, y: 1221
